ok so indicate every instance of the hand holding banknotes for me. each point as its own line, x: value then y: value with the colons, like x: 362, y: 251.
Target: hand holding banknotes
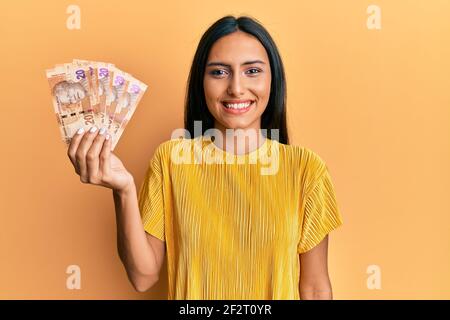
x: 91, y: 156
x: 93, y: 102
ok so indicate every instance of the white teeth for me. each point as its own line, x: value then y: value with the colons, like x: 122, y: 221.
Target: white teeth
x: 237, y: 105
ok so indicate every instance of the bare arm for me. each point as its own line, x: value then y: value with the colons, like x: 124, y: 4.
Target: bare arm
x: 314, y: 280
x: 141, y: 253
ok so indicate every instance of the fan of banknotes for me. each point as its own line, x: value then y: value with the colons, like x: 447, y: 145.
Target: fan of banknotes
x: 89, y: 93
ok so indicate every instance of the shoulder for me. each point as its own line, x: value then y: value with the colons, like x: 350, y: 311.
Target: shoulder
x: 305, y: 161
x: 303, y: 157
x: 168, y: 148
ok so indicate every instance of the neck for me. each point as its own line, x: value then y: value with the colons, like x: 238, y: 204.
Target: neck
x: 239, y: 141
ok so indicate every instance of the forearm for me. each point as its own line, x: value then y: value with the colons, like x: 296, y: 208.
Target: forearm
x: 134, y: 249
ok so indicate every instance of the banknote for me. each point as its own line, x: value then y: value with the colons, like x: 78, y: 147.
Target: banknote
x: 92, y: 93
x: 105, y: 73
x: 120, y: 84
x: 70, y: 102
x: 81, y: 75
x: 126, y: 107
x: 91, y: 71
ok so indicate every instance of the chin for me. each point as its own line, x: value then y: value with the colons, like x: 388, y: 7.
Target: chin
x: 237, y: 124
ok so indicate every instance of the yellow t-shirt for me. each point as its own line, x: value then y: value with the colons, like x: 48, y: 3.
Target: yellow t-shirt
x: 234, y: 225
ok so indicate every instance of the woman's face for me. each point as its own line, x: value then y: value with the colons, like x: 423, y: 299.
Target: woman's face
x: 237, y: 81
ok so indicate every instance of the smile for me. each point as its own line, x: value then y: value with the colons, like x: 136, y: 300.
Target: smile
x: 237, y: 108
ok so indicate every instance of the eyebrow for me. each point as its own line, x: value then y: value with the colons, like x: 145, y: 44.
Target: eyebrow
x: 229, y: 66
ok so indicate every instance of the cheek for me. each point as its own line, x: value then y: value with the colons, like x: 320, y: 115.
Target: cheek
x: 262, y: 89
x: 213, y: 90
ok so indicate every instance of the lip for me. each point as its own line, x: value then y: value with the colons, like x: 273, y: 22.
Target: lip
x: 237, y: 101
x: 237, y: 111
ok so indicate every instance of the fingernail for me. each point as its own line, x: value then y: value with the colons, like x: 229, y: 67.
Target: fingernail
x: 102, y: 131
x: 80, y: 131
x: 107, y: 137
x: 93, y: 129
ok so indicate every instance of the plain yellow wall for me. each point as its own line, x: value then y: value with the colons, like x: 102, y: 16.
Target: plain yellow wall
x: 374, y: 104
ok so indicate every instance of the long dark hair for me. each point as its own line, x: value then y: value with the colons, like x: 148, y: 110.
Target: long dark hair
x: 274, y: 116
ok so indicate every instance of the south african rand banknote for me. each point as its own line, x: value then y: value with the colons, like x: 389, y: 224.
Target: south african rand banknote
x: 126, y: 106
x: 71, y: 102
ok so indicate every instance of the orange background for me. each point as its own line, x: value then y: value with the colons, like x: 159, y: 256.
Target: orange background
x: 374, y: 104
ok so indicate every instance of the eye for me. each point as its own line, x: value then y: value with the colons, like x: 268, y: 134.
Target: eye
x: 256, y: 71
x: 217, y: 72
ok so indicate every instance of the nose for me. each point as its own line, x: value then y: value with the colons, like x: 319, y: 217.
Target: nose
x: 236, y: 86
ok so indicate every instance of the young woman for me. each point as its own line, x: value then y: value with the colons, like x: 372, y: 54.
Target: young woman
x: 230, y: 229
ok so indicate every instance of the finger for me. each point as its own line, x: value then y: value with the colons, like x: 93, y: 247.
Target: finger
x: 73, y: 146
x: 105, y: 156
x: 82, y: 150
x: 92, y: 156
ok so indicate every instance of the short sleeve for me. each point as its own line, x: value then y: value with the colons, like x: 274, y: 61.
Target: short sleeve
x: 320, y: 213
x: 151, y: 198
